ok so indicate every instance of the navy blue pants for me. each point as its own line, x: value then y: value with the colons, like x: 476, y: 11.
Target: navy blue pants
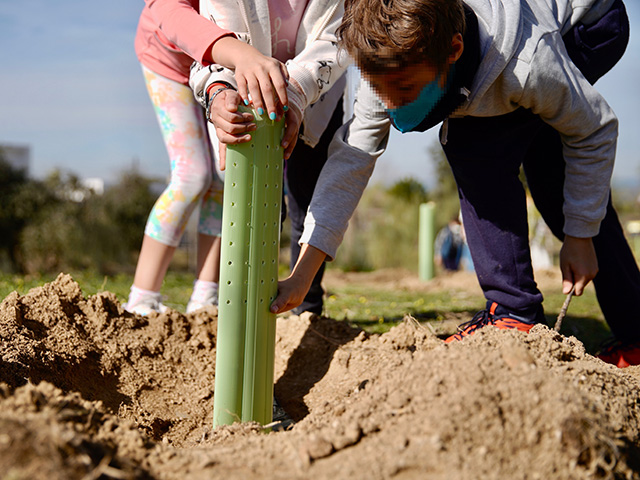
x: 303, y: 169
x: 485, y: 155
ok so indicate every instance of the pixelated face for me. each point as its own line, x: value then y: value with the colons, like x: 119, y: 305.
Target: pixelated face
x: 403, y: 86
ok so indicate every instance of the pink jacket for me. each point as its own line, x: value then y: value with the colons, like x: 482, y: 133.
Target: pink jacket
x: 172, y: 34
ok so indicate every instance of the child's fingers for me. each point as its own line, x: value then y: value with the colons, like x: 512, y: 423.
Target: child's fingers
x: 234, y: 124
x: 243, y: 92
x: 284, y: 302
x: 580, y: 283
x: 232, y: 139
x: 231, y: 106
x: 276, y: 306
x: 269, y: 99
x: 231, y: 100
x: 571, y: 279
x: 232, y: 128
x: 279, y: 81
x: 290, y: 136
x: 284, y: 71
x: 262, y: 95
x: 289, y: 140
x: 573, y: 276
x: 279, y: 303
x: 579, y: 288
x: 567, y: 278
x: 274, y: 75
x: 566, y: 286
x: 253, y: 84
x: 227, y: 119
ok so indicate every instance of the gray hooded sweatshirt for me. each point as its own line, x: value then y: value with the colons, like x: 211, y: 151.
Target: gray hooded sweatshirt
x: 523, y: 64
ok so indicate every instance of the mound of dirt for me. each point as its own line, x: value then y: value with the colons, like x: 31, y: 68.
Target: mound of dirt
x: 90, y: 391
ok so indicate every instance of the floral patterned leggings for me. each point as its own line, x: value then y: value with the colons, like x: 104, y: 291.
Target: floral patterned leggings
x: 193, y: 178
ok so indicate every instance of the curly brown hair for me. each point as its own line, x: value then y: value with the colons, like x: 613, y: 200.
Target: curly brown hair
x: 386, y: 35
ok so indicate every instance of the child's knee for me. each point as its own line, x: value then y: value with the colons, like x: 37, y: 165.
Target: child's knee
x: 192, y: 188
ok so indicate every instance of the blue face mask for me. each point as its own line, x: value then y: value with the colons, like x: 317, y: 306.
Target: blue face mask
x: 409, y: 116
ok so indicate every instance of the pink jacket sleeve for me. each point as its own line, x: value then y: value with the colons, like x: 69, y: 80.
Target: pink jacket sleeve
x: 183, y: 26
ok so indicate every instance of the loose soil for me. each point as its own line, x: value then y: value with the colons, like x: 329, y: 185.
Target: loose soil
x: 89, y: 391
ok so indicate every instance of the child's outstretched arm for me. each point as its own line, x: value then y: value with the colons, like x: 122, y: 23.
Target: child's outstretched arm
x: 185, y: 28
x: 265, y: 78
x: 293, y: 289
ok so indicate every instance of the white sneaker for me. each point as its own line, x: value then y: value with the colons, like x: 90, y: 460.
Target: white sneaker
x: 146, y: 305
x: 195, y: 305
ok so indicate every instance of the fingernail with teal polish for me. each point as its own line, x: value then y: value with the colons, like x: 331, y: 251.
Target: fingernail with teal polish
x: 272, y: 116
x: 246, y: 102
x: 285, y: 108
x: 260, y: 111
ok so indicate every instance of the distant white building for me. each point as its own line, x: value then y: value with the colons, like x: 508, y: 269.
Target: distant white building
x: 18, y: 156
x: 95, y: 184
x: 91, y: 185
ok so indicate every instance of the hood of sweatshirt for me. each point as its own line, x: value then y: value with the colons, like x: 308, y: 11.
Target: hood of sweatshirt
x: 500, y: 26
x: 509, y: 32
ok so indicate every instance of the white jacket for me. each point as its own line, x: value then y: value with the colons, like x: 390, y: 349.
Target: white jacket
x: 316, y: 66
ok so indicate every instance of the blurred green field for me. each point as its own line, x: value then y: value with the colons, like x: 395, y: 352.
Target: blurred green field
x: 375, y: 310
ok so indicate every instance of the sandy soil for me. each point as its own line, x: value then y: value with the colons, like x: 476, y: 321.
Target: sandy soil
x: 91, y: 392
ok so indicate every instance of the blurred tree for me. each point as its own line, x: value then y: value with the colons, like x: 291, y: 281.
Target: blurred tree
x: 408, y: 190
x: 445, y: 194
x: 128, y: 204
x: 383, y: 230
x: 58, y: 224
x: 21, y: 199
x: 71, y: 231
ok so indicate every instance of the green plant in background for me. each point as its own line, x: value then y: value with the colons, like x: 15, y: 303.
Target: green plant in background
x: 383, y: 231
x: 445, y: 193
x: 394, y: 240
x: 22, y: 200
x: 127, y: 205
x: 80, y: 230
x: 59, y: 225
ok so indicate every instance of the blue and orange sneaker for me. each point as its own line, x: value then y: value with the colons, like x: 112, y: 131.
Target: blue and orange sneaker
x: 620, y: 354
x: 487, y: 317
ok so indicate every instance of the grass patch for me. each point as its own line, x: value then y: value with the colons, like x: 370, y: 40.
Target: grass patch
x: 378, y: 310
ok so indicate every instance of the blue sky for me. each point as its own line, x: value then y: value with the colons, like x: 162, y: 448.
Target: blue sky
x: 72, y: 89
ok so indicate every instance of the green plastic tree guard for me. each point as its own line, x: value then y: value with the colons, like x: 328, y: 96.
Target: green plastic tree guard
x: 249, y: 277
x: 426, y: 239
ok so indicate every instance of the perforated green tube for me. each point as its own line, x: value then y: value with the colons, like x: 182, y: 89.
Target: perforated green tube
x: 426, y: 238
x: 249, y: 277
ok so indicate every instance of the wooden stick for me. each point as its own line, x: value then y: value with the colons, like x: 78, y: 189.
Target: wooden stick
x: 563, y: 310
